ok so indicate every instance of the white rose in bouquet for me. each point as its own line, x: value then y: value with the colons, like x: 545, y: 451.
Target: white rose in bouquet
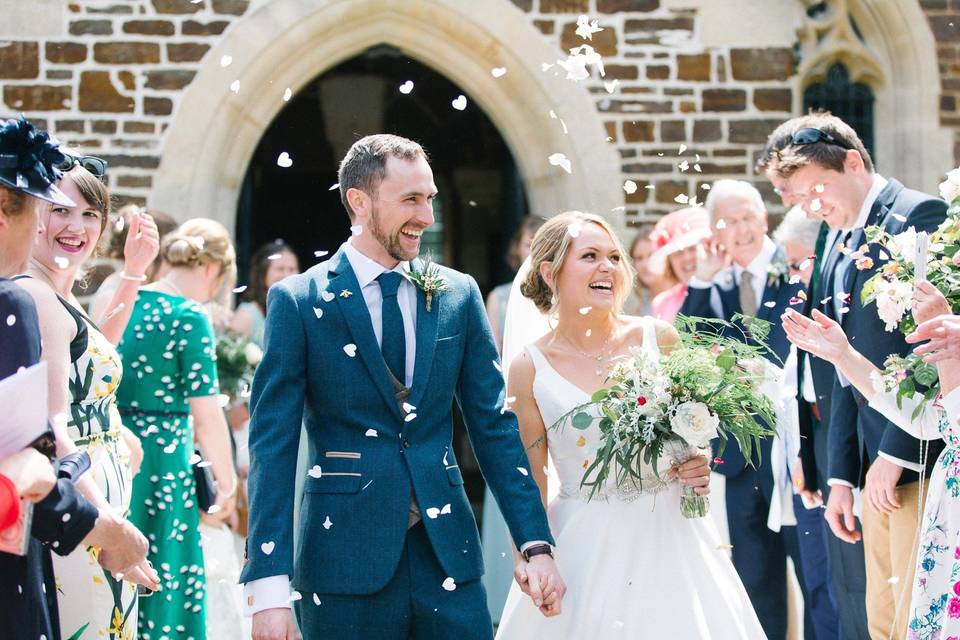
x: 693, y: 422
x: 904, y: 245
x: 253, y: 354
x: 950, y: 188
x: 893, y: 300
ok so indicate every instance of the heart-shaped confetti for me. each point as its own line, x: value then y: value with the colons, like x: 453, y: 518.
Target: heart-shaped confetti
x: 315, y: 471
x: 445, y: 510
x: 449, y: 585
x: 498, y: 72
x: 770, y: 305
x: 460, y: 103
x: 317, y: 311
x: 630, y: 187
x: 316, y: 600
x: 284, y: 160
x: 194, y: 459
x: 267, y: 547
x: 350, y: 349
x: 574, y: 229
x: 611, y: 86
x: 226, y: 61
x: 327, y: 523
x: 433, y: 512
x: 406, y: 87
x: 327, y: 296
x: 371, y: 433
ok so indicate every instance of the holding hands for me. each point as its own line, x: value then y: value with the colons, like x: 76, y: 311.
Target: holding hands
x: 540, y: 579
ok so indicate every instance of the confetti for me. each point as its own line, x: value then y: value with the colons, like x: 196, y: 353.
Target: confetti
x: 682, y: 199
x: 11, y: 320
x: 523, y: 471
x: 317, y: 311
x: 589, y: 333
x: 815, y: 205
x: 576, y: 64
x: 472, y: 203
x: 498, y: 72
x: 407, y: 407
x: 320, y: 254
x: 819, y: 188
x: 803, y: 265
x: 721, y: 224
x: 235, y: 86
x: 794, y: 280
x: 371, y: 433
x: 66, y: 517
x: 226, y: 61
x: 287, y: 94
x: 327, y: 296
x: 410, y: 417
x: 893, y: 579
x: 585, y: 310
x: 406, y: 87
x: 611, y: 86
x: 433, y: 512
x: 586, y: 28
x: 445, y: 510
x: 826, y: 300
x: 356, y: 229
x: 795, y: 301
x: 62, y: 262
x: 273, y: 256
x: 574, y: 229
x: 333, y: 187
x: 449, y: 585
x: 844, y: 310
x: 770, y: 305
x: 267, y: 547
x: 630, y: 187
x: 316, y: 600
x: 460, y: 103
x: 864, y: 263
x: 544, y: 66
x: 315, y: 472
x: 194, y: 459
x: 684, y: 166
x: 214, y: 508
x: 899, y: 217
x: 350, y: 349
x: 697, y: 168
x: 284, y: 160
x: 170, y: 448
x: 296, y: 595
x: 683, y: 148
x: 560, y: 160
x: 240, y: 289
x: 327, y: 523
x: 118, y: 225
x: 497, y: 366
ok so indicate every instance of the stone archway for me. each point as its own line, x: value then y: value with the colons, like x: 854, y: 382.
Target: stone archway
x: 286, y: 43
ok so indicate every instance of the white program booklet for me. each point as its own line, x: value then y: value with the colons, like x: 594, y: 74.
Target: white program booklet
x: 23, y: 408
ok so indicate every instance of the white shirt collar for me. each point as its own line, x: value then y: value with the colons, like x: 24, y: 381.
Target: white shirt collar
x: 759, y: 265
x: 367, y: 269
x: 879, y: 182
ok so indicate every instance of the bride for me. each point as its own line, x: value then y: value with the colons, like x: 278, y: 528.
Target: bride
x: 634, y: 566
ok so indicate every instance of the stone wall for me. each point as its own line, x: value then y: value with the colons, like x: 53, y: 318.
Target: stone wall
x: 109, y: 80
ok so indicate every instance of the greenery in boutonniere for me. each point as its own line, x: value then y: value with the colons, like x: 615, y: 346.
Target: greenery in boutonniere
x: 779, y: 269
x: 428, y: 280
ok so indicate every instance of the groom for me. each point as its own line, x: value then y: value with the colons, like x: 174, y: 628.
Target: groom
x: 371, y: 363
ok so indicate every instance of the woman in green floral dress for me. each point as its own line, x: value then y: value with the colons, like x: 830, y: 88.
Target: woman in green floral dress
x: 168, y: 395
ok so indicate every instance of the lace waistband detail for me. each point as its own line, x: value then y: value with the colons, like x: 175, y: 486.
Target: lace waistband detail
x: 628, y: 492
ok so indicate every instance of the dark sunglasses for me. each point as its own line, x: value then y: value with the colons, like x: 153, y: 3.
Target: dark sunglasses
x: 96, y: 166
x: 811, y: 135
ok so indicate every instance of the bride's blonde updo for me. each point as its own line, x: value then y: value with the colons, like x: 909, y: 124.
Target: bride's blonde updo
x: 552, y: 244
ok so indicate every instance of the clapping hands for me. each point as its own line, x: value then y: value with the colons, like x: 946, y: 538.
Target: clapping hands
x: 818, y: 335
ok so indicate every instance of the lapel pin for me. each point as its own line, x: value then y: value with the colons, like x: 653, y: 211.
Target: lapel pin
x: 345, y: 293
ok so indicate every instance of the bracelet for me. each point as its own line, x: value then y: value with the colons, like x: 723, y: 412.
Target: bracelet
x: 123, y: 276
x: 236, y: 486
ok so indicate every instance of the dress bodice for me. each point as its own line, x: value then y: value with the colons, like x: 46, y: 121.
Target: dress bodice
x: 572, y: 450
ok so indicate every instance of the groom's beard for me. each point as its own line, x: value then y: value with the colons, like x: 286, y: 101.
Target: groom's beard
x: 390, y: 243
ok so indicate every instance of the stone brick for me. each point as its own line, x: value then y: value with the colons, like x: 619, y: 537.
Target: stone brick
x: 626, y: 90
x: 653, y: 25
x: 104, y: 126
x: 729, y: 153
x: 677, y: 91
x: 138, y: 162
x: 565, y: 6
x: 658, y: 72
x: 176, y: 6
x: 65, y: 52
x: 648, y: 167
x: 524, y: 5
x: 762, y: 64
x: 91, y: 28
x: 641, y: 195
x: 128, y: 80
x: 673, y: 131
x: 773, y: 99
x: 59, y: 74
x: 70, y: 126
x: 547, y: 27
x: 231, y: 7
x: 187, y: 52
x: 194, y: 28
x: 667, y: 190
x: 123, y: 199
x: 752, y: 131
x: 19, y: 60
x: 713, y: 169
x: 621, y: 71
x: 113, y: 9
x: 126, y: 52
x: 707, y: 130
x: 157, y: 106
x: 946, y: 28
x: 604, y: 42
x: 628, y: 153
x: 150, y: 27
x: 135, y: 182
x: 169, y: 79
x: 37, y: 97
x: 694, y: 67
x: 97, y: 94
x: 934, y: 4
x: 948, y: 103
x: 724, y: 100
x: 134, y: 126
x: 611, y: 128
x: 635, y: 6
x: 687, y: 106
x: 638, y: 131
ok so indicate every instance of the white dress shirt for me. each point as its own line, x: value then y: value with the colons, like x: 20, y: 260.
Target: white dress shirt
x: 759, y: 268
x: 274, y: 592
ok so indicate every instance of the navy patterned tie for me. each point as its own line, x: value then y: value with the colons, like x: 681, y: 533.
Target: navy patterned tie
x: 393, y: 344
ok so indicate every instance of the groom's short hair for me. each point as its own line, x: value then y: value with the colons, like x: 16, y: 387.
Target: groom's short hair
x: 365, y: 165
x: 783, y: 157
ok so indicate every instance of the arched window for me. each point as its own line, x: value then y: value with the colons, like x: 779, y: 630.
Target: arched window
x: 852, y: 102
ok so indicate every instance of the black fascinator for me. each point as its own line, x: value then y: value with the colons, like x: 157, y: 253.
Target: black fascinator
x: 29, y: 160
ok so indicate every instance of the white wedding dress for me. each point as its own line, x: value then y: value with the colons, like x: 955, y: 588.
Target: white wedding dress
x: 634, y: 566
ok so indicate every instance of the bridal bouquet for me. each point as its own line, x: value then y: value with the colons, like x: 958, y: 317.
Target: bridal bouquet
x: 891, y: 288
x: 237, y: 359
x: 707, y: 387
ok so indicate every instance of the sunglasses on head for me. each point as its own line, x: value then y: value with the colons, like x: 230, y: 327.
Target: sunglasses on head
x: 811, y: 135
x: 96, y: 166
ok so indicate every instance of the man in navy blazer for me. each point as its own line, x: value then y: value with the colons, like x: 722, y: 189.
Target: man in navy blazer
x: 821, y: 163
x: 372, y: 364
x: 745, y: 272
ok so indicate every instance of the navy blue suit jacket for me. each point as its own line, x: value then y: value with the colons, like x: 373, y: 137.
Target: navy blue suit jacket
x: 856, y: 432
x: 373, y: 456
x: 777, y: 293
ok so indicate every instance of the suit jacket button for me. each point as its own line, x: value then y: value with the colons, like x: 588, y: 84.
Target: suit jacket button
x: 406, y: 444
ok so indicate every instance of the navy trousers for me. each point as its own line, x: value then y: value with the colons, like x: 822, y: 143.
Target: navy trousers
x: 413, y: 605
x: 819, y: 602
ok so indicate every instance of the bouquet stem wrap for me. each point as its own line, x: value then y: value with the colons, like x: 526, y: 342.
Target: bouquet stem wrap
x: 691, y: 504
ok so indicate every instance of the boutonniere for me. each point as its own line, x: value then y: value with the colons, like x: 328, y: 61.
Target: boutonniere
x: 429, y: 280
x: 778, y: 270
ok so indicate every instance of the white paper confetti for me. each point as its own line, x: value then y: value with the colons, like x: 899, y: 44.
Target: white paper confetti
x: 406, y: 87
x: 523, y: 471
x: 287, y: 94
x: 586, y: 28
x: 682, y: 199
x: 214, y: 508
x: 460, y: 103
x: 770, y: 305
x: 407, y: 407
x: 327, y: 296
x: 65, y: 518
x: 611, y: 86
x: 62, y: 262
x: 240, y: 289
x: 327, y: 523
x: 574, y: 229
x: 589, y: 333
x: 803, y: 265
x: 445, y: 510
x: 267, y: 547
x: 630, y: 187
x: 226, y: 61
x: 576, y: 64
x: 544, y: 66
x: 371, y: 433
x: 826, y: 300
x: 316, y: 600
x: 284, y: 160
x: 585, y: 310
x: 899, y: 217
x: 433, y: 512
x: 684, y: 166
x: 795, y: 280
x: 721, y: 224
x: 449, y: 585
x: 683, y: 148
x: 410, y: 417
x: 496, y: 365
x: 498, y: 72
x: 317, y: 311
x: 195, y: 459
x: 315, y: 471
x: 320, y: 254
x: 235, y: 86
x: 11, y: 320
x: 815, y: 205
x: 356, y: 229
x: 819, y: 188
x: 560, y: 160
x: 350, y: 349
x: 296, y: 595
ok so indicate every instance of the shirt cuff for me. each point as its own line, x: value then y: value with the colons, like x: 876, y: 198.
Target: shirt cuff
x: 266, y: 593
x: 833, y: 482
x: 532, y: 543
x: 912, y: 466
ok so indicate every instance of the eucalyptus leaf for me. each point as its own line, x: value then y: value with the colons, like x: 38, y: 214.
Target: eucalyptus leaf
x: 581, y: 420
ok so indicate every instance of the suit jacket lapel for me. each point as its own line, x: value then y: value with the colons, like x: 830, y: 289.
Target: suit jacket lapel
x: 357, y: 317
x: 427, y: 328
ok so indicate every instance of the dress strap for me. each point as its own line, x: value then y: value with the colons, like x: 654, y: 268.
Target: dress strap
x: 79, y: 343
x: 650, y: 344
x: 539, y: 360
